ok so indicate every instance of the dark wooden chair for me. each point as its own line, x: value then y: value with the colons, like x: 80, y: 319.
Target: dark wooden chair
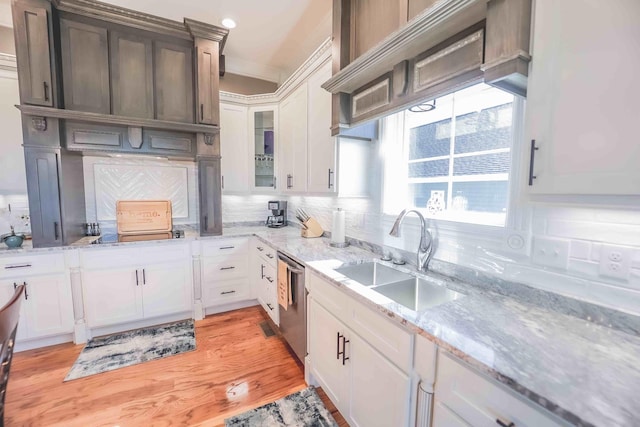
x: 9, y: 316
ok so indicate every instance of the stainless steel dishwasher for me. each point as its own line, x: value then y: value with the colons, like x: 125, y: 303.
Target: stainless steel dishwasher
x: 293, y: 320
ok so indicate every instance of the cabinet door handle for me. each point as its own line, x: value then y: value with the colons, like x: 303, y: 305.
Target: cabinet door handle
x: 338, y: 346
x: 9, y: 267
x: 144, y: 277
x: 289, y: 181
x: 269, y: 305
x: 227, y: 268
x: 261, y: 271
x: 201, y: 112
x: 329, y: 185
x: 46, y: 90
x: 503, y: 424
x: 344, y: 349
x: 531, y: 161
x: 222, y: 181
x: 206, y: 222
x: 26, y: 295
x: 227, y: 292
x: 56, y: 233
x: 137, y: 282
x: 274, y: 182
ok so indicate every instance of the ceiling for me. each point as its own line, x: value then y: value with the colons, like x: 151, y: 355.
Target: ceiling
x: 272, y: 38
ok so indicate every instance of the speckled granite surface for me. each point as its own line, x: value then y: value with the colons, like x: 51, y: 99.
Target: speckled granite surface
x: 586, y: 373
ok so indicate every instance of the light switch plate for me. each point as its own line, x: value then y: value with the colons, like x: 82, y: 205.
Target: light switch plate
x: 551, y: 252
x: 615, y: 261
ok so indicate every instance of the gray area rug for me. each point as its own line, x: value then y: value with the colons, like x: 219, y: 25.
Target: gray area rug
x: 132, y: 347
x: 301, y: 409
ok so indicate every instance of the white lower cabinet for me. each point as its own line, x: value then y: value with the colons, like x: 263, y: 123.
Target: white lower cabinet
x: 118, y: 291
x: 47, y: 307
x: 225, y: 271
x: 365, y: 386
x: 464, y: 397
x: 263, y: 278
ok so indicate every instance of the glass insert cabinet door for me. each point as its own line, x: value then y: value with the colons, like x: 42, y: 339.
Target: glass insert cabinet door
x: 264, y: 140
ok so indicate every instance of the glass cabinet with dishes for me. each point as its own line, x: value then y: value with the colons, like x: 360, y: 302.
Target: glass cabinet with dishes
x: 262, y: 121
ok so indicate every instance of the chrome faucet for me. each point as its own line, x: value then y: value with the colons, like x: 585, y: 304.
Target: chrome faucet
x: 425, y: 250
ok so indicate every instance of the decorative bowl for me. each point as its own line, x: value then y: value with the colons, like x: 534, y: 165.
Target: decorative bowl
x: 12, y: 239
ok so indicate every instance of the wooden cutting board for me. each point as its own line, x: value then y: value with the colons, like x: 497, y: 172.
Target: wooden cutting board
x: 143, y: 216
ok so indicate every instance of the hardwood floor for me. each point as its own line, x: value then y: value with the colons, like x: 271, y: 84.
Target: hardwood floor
x: 233, y: 369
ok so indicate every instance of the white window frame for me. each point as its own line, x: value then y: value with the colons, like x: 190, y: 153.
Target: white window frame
x: 518, y: 218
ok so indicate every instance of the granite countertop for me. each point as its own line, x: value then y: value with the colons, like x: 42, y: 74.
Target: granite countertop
x: 585, y: 373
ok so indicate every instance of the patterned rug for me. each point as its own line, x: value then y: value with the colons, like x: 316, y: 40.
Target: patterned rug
x: 132, y: 347
x: 301, y: 409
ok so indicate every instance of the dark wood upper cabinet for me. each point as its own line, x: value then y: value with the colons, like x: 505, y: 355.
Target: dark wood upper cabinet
x: 372, y: 21
x: 416, y: 7
x: 173, y: 82
x: 208, y: 91
x: 31, y: 28
x: 85, y: 67
x: 131, y: 75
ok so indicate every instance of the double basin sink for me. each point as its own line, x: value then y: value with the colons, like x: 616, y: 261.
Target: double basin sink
x: 413, y: 292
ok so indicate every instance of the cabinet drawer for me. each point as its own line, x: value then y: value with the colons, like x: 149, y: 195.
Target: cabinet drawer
x: 29, y: 265
x: 389, y: 339
x: 331, y: 298
x: 230, y: 291
x: 220, y: 247
x: 266, y: 252
x: 168, y: 142
x: 479, y: 401
x: 133, y: 256
x: 215, y: 269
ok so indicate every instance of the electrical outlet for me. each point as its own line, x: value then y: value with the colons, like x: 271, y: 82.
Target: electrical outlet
x: 615, y: 262
x: 551, y: 252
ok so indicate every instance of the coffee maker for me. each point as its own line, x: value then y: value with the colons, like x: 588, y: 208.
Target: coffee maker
x: 279, y: 211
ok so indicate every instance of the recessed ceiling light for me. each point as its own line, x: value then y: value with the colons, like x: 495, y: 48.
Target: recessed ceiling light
x: 229, y: 23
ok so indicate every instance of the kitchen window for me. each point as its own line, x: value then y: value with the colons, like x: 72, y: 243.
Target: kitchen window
x: 454, y: 161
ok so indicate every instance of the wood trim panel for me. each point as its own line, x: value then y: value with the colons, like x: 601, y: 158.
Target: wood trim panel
x: 116, y: 120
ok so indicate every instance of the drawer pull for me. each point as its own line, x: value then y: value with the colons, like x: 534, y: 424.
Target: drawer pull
x: 227, y: 268
x: 503, y: 424
x: 260, y: 248
x: 9, y: 267
x: 227, y: 247
x: 269, y: 279
x: 270, y: 256
x: 227, y: 292
x: 269, y: 305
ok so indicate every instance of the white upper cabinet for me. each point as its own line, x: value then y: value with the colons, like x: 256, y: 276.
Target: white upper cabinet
x: 234, y: 140
x: 263, y: 143
x: 321, y: 145
x: 293, y: 142
x: 582, y: 108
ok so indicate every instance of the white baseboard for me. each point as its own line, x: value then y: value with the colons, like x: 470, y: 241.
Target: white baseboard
x: 229, y: 307
x: 42, y: 342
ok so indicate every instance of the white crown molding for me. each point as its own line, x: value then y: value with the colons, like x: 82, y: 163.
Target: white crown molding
x: 318, y: 58
x: 8, y: 66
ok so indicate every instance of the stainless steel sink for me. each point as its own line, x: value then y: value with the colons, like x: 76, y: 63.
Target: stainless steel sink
x: 417, y: 294
x: 373, y: 274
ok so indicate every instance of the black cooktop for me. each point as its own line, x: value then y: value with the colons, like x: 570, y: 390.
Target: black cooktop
x: 119, y: 238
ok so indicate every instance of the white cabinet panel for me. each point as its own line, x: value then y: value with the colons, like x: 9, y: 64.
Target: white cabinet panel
x: 234, y: 143
x: 323, y: 349
x: 321, y: 145
x: 112, y: 296
x: 49, y: 307
x: 166, y: 289
x: 380, y: 392
x: 293, y: 141
x: 479, y: 402
x: 444, y: 417
x: 7, y: 290
x: 580, y: 102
